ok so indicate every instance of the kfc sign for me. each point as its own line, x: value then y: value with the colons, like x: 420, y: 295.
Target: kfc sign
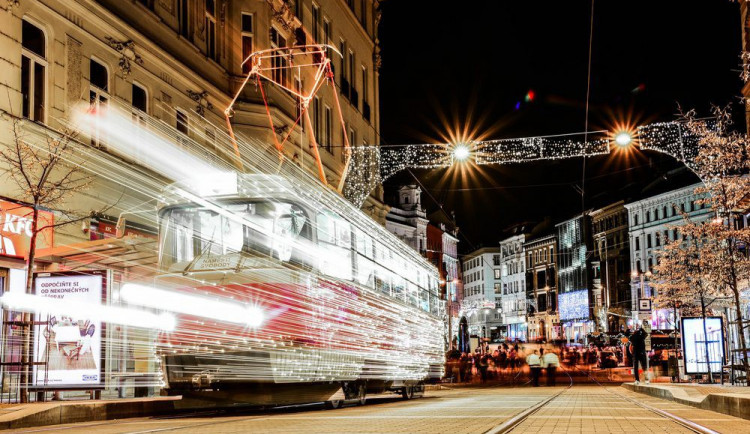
x: 16, y: 229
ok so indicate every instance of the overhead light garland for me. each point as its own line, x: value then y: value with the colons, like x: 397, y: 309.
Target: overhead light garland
x: 376, y: 164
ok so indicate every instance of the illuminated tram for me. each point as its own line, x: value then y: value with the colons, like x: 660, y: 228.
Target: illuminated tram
x: 289, y: 296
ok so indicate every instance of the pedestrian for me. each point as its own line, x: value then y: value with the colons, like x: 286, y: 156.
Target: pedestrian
x: 550, y: 362
x: 535, y: 367
x: 638, y: 353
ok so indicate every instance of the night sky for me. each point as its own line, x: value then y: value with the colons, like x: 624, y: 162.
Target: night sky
x: 447, y: 65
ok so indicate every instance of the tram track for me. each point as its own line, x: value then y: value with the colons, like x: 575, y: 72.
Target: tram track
x: 511, y: 424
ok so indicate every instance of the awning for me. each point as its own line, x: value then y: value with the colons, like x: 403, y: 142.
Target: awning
x: 130, y: 251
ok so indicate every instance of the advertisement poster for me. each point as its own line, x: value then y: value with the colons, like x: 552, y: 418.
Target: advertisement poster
x: 573, y: 305
x: 694, y: 344
x: 69, y: 345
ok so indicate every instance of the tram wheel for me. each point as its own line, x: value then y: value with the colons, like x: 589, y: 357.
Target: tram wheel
x: 332, y: 405
x: 361, y: 394
x: 407, y: 392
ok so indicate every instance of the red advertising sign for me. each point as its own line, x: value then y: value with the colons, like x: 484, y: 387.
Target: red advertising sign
x: 15, y: 229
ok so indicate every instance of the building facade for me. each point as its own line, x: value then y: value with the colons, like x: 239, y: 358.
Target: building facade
x: 652, y: 224
x: 612, y: 257
x: 575, y: 275
x: 178, y: 62
x: 541, y: 288
x: 408, y: 220
x: 481, y: 280
x: 512, y: 288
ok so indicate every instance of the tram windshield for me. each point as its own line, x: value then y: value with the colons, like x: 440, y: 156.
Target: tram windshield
x: 196, y: 237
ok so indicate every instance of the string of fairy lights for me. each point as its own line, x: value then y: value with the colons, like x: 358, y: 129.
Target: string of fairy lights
x: 373, y: 164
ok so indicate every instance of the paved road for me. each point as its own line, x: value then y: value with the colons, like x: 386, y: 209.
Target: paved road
x: 582, y: 408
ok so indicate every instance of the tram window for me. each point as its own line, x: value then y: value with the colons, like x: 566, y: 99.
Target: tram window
x: 334, y: 244
x: 398, y: 287
x: 434, y: 305
x: 424, y: 298
x: 365, y: 271
x: 412, y: 294
x: 364, y: 244
x: 256, y: 227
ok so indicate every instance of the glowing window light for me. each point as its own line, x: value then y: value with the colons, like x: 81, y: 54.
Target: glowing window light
x: 251, y: 316
x: 461, y: 152
x: 109, y: 314
x: 623, y: 139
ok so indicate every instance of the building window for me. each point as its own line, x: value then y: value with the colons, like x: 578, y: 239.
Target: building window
x: 352, y: 76
x: 497, y: 273
x: 298, y: 89
x: 352, y: 137
x: 316, y: 119
x: 637, y: 243
x: 648, y: 241
x: 33, y: 71
x: 211, y: 29
x: 496, y: 260
x: 98, y: 92
x: 181, y: 122
x: 648, y: 216
x: 247, y: 40
x: 139, y: 98
x: 328, y: 120
x: 298, y: 9
x: 363, y: 13
x: 327, y: 39
x: 316, y: 23
x: 497, y: 288
x: 183, y: 17
x: 635, y: 219
x: 658, y: 239
x: 279, y: 60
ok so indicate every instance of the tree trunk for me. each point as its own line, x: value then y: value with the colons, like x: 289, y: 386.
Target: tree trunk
x: 27, y: 317
x: 705, y: 339
x: 738, y: 309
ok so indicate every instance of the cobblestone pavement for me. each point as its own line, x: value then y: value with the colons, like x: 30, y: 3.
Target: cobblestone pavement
x: 461, y: 410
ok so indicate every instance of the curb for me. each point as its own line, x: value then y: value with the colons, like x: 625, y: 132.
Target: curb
x: 725, y: 403
x: 42, y: 414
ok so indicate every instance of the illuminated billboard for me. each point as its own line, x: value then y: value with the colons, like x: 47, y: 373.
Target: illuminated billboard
x: 695, y: 344
x: 574, y: 305
x: 68, y: 348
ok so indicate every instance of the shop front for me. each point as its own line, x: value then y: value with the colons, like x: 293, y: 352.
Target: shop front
x: 16, y: 230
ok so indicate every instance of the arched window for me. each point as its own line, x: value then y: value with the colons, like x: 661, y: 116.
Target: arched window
x: 33, y: 71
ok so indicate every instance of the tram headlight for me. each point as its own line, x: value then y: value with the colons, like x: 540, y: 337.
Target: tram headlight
x: 255, y: 316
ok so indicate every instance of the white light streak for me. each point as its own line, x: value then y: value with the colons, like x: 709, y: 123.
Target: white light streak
x: 105, y: 313
x: 237, y: 313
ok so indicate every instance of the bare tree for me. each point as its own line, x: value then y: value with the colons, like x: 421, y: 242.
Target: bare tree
x: 686, y: 273
x: 723, y: 164
x: 43, y: 166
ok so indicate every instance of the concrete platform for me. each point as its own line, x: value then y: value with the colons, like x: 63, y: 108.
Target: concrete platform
x: 730, y: 400
x: 58, y: 412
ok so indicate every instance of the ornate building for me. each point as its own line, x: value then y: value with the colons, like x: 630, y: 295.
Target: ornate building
x: 541, y: 288
x: 178, y: 62
x: 652, y: 224
x: 612, y: 258
x: 511, y: 291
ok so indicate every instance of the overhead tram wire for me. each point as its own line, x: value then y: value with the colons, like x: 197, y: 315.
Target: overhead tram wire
x: 586, y: 120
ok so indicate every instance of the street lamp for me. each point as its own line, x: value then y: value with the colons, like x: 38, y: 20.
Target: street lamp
x: 623, y: 139
x: 461, y: 152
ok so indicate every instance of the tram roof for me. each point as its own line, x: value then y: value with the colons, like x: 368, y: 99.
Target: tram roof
x: 259, y: 185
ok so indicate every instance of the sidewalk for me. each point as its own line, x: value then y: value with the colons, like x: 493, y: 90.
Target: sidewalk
x: 731, y: 400
x: 57, y: 412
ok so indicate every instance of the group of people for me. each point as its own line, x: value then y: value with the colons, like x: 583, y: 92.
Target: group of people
x: 539, y: 360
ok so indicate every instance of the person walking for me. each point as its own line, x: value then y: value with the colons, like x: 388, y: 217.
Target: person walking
x: 638, y: 353
x: 535, y: 367
x: 550, y: 362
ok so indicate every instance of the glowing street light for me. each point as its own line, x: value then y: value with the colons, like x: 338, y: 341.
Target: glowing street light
x: 461, y: 152
x: 623, y: 139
